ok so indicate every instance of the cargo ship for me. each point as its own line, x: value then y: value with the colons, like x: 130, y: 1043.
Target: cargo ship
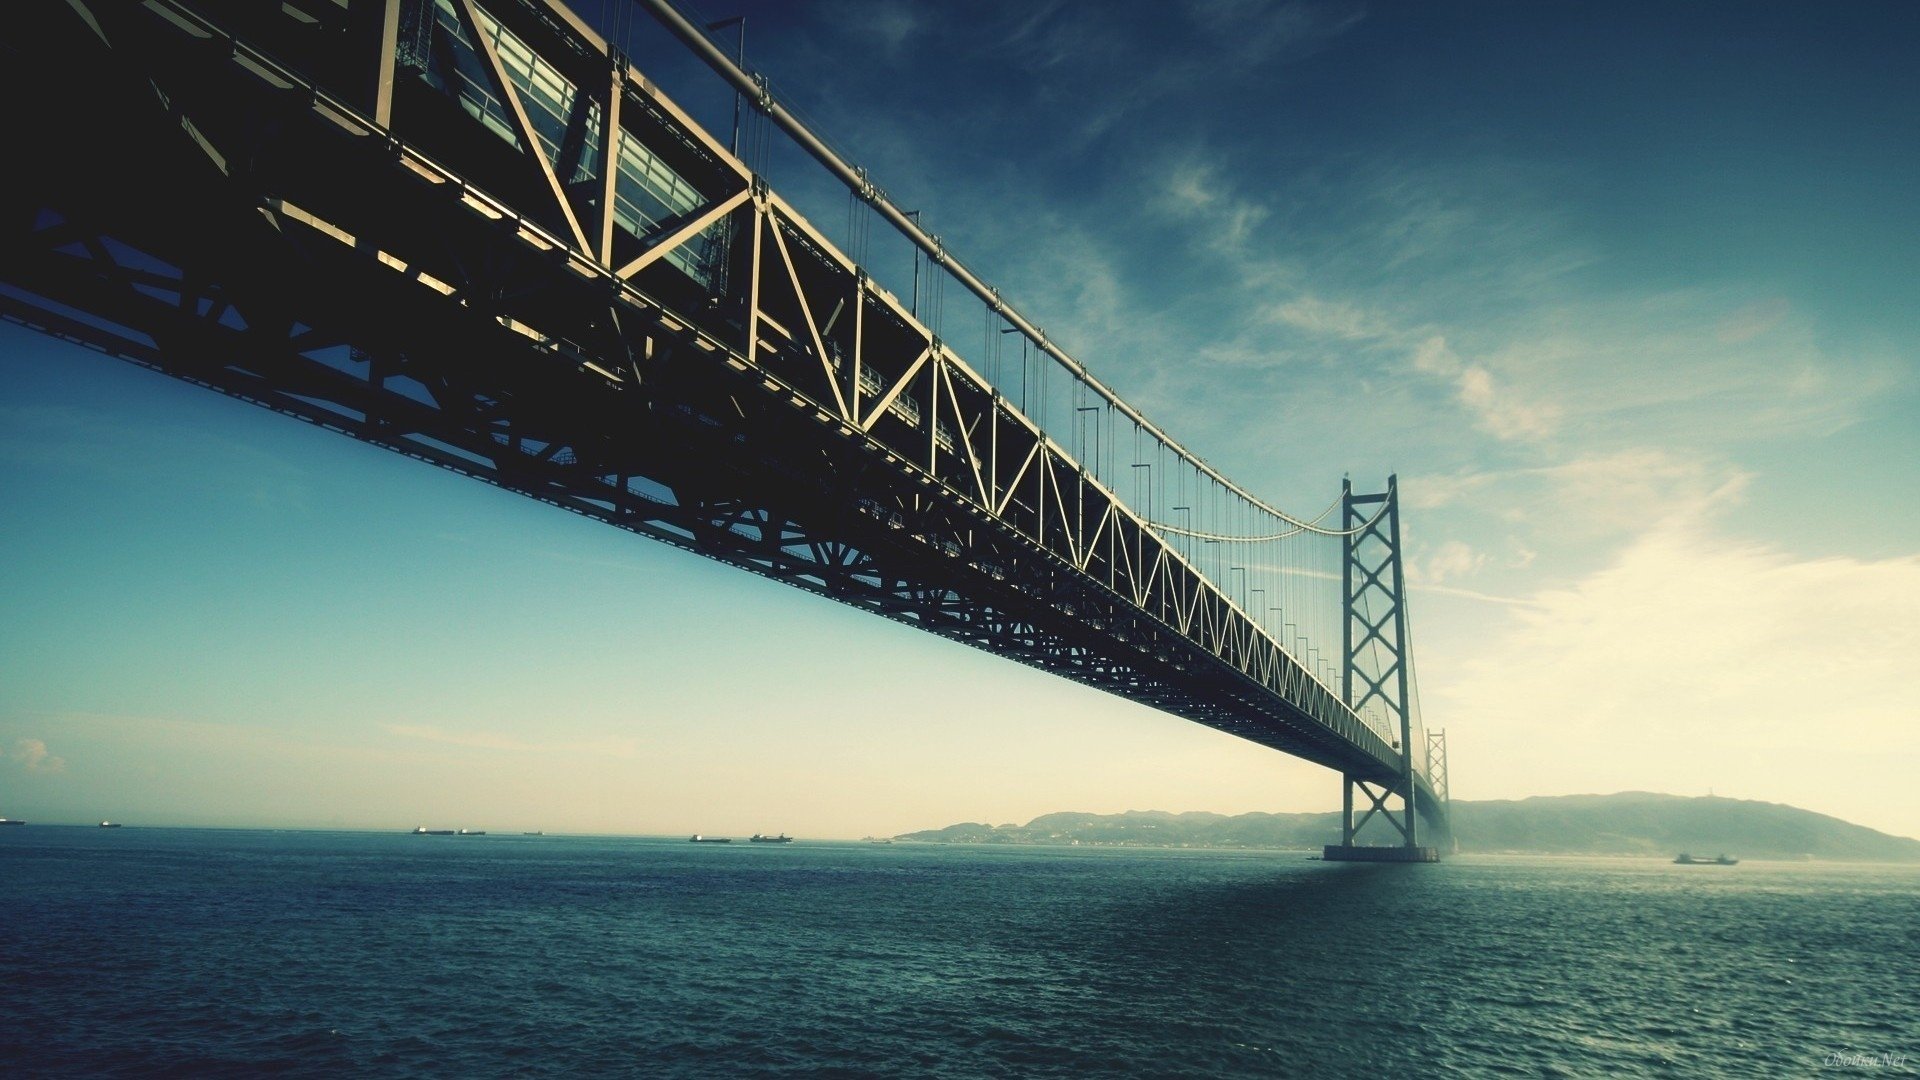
x: 700, y: 839
x: 1685, y: 859
x: 762, y: 838
x: 422, y: 830
x: 11, y: 821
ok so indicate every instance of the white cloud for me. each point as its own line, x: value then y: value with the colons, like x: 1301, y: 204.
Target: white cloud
x: 1450, y: 561
x: 1752, y: 321
x: 1693, y: 660
x: 1693, y: 367
x: 35, y: 758
x: 1501, y: 412
x: 1328, y: 318
x: 1193, y: 191
x: 1190, y: 187
x: 1596, y: 496
x: 1483, y: 295
x: 1548, y: 524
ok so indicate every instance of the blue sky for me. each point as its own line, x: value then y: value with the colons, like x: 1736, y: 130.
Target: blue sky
x: 1625, y: 294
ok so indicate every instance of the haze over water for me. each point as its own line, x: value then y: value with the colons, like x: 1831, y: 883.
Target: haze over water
x: 139, y: 951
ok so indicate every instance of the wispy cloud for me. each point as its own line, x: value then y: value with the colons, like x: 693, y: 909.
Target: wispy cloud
x: 1471, y: 594
x: 1195, y: 193
x: 889, y: 27
x: 1450, y: 561
x: 33, y: 756
x: 1467, y: 272
x: 1752, y: 320
x: 1212, y: 43
x: 1687, y: 366
x: 1328, y: 318
x: 1606, y: 497
x: 1499, y: 410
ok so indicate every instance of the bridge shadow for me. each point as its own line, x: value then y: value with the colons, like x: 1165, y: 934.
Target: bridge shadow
x: 1308, y: 968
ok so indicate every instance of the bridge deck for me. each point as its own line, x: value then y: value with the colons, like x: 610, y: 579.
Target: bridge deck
x: 315, y: 226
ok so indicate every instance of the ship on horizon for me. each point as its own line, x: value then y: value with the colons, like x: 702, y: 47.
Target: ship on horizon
x: 763, y: 838
x: 702, y: 838
x: 1684, y: 859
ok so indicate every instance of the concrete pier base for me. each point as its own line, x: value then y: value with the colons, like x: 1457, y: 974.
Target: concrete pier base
x: 1400, y: 854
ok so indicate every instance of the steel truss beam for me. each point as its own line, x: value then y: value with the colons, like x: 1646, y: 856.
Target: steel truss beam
x: 281, y: 245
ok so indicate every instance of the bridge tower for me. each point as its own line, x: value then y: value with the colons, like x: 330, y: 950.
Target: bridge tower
x: 1376, y: 672
x: 1442, y: 789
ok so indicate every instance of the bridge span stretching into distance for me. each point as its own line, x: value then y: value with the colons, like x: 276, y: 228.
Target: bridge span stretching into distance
x: 477, y: 233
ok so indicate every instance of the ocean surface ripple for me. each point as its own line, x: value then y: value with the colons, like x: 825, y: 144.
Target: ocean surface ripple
x: 137, y: 952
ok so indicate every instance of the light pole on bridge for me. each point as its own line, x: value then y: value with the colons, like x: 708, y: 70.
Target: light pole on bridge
x: 914, y: 216
x: 1082, y: 448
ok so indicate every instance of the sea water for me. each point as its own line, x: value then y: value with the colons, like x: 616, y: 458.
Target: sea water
x: 208, y: 953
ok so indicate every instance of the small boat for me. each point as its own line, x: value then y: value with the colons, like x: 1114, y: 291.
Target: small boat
x: 1685, y: 859
x: 109, y: 824
x: 762, y: 838
x: 697, y: 838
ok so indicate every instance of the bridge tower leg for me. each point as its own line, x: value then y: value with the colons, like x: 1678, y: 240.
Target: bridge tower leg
x: 1346, y: 811
x: 1375, y: 667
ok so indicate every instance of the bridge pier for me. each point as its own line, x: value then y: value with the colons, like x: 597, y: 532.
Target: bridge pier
x: 1381, y: 854
x: 1404, y: 821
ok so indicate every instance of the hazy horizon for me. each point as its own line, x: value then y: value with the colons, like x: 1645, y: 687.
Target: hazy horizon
x: 292, y: 825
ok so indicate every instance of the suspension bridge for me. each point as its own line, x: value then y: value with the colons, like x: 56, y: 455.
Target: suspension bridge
x: 476, y: 232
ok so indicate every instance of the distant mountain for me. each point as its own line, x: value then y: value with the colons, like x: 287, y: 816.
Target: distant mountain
x: 1628, y: 823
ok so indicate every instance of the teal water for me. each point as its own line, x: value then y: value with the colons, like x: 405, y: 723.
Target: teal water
x: 210, y: 953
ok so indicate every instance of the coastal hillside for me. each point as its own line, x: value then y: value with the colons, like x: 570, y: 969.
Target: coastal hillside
x: 1627, y: 823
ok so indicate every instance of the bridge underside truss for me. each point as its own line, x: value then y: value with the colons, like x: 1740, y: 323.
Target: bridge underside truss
x: 688, y: 360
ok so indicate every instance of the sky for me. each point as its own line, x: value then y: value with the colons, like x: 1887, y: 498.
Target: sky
x: 1625, y: 294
